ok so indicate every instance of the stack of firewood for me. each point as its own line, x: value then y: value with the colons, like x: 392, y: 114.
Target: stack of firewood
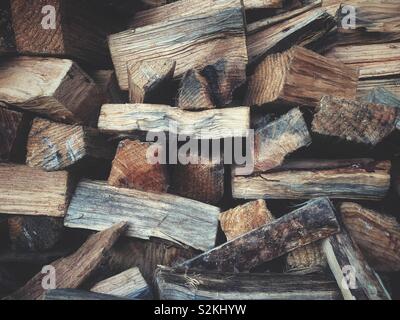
x: 84, y: 214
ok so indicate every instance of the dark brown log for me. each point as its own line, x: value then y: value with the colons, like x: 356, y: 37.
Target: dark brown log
x: 54, y: 146
x: 355, y: 121
x: 34, y: 234
x: 108, y: 84
x: 78, y: 295
x: 300, y: 76
x: 194, y: 285
x: 7, y: 38
x: 377, y: 235
x: 245, y: 218
x: 315, y: 221
x: 306, y: 260
x: 73, y: 270
x: 355, y: 278
x: 133, y: 167
x: 14, y: 129
x: 202, y: 179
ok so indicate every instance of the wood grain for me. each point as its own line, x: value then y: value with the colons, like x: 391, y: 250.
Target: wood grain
x: 306, y: 260
x: 390, y: 84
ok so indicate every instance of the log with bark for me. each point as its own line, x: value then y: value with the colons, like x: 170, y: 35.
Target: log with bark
x: 300, y: 76
x: 97, y: 206
x: 208, y: 124
x: 193, y: 285
x: 314, y: 221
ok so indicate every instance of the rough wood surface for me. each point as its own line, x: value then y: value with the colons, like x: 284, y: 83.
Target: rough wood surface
x: 34, y: 234
x: 73, y: 270
x: 300, y: 76
x: 390, y: 84
x: 210, y: 39
x: 194, y: 285
x: 31, y: 191
x: 377, y: 235
x: 208, y: 124
x: 314, y: 221
x: 54, y: 146
x: 245, y: 218
x: 147, y: 79
x: 132, y: 167
x: 345, y: 258
x: 107, y: 81
x: 7, y: 39
x: 277, y: 139
x: 202, y: 179
x: 371, y: 182
x: 128, y: 284
x: 14, y: 128
x: 96, y: 206
x: 302, y: 30
x: 306, y: 260
x: 382, y: 96
x: 55, y: 88
x: 78, y: 295
x: 355, y: 121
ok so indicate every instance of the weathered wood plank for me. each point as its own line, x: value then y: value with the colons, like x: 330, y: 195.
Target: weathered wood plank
x: 314, y: 221
x: 31, y: 191
x: 300, y: 76
x: 73, y: 270
x: 96, y: 206
x: 365, y: 183
x: 208, y: 124
x: 194, y: 285
x: 61, y: 90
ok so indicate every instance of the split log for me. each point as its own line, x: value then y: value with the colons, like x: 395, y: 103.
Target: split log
x: 14, y: 128
x: 390, y: 84
x: 34, y: 234
x: 107, y: 81
x: 373, y: 60
x: 7, y: 38
x: 192, y: 285
x: 363, y: 183
x: 128, y: 284
x: 70, y: 28
x: 148, y: 79
x: 201, y: 179
x: 133, y: 167
x: 73, y: 270
x: 300, y: 76
x: 245, y: 218
x: 61, y: 90
x: 314, y: 221
x: 208, y: 124
x: 383, y: 96
x: 96, y: 206
x: 306, y: 260
x: 78, y: 295
x: 377, y: 235
x: 29, y: 191
x: 355, y: 278
x: 303, y: 30
x: 194, y: 92
x: 276, y: 140
x: 54, y: 146
x: 215, y: 38
x: 355, y: 121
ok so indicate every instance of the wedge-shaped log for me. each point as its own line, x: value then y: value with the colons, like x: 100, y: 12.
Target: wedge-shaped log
x: 371, y: 182
x: 306, y: 260
x: 96, y: 206
x: 314, y: 221
x: 202, y: 179
x: 245, y: 218
x: 31, y: 191
x: 300, y: 76
x: 355, y: 278
x: 355, y: 121
x: 54, y: 146
x: 7, y: 39
x: 55, y: 88
x: 128, y: 284
x: 148, y: 78
x: 73, y: 270
x: 215, y: 38
x: 194, y: 285
x: 14, y: 129
x: 377, y: 235
x: 133, y: 167
x: 208, y: 124
x: 301, y: 30
x: 274, y: 141
x: 373, y: 60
